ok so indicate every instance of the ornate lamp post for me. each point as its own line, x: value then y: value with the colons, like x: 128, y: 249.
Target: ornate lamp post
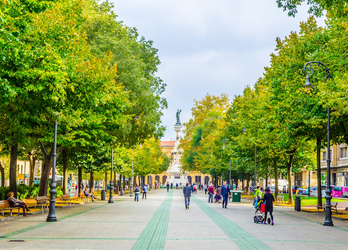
x: 111, y: 186
x: 52, y: 212
x: 223, y: 148
x: 308, y: 69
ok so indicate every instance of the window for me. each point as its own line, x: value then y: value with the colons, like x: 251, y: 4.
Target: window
x: 343, y: 152
x: 324, y: 156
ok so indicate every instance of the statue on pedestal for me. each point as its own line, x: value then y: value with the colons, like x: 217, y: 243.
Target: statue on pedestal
x: 178, y: 117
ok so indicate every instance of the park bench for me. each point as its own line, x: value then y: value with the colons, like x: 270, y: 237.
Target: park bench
x: 43, y: 201
x: 68, y: 199
x: 320, y: 207
x: 333, y: 206
x: 5, y: 205
x: 280, y: 199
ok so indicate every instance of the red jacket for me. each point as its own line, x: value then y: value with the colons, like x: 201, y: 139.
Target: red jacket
x: 211, y: 189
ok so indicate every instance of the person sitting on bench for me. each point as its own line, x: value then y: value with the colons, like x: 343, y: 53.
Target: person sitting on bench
x: 89, y: 195
x: 17, y: 203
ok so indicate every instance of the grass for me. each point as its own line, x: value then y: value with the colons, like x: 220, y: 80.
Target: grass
x: 308, y: 201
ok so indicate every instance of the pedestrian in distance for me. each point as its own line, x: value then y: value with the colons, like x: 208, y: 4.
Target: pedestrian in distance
x: 269, y: 199
x: 187, y: 194
x: 218, y: 195
x: 167, y: 187
x: 205, y: 188
x: 136, y: 192
x: 171, y: 185
x: 211, y: 193
x: 257, y: 194
x: 225, y: 192
x: 144, y: 191
x: 177, y: 185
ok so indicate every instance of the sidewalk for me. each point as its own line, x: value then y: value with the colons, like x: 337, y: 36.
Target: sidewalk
x: 161, y: 222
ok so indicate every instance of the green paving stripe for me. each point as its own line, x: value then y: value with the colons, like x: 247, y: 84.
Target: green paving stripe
x: 241, y: 237
x: 154, y: 235
x: 27, y: 229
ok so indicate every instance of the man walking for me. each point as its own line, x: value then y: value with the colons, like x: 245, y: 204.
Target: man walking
x: 187, y: 194
x: 210, y: 193
x: 225, y: 192
x: 167, y: 187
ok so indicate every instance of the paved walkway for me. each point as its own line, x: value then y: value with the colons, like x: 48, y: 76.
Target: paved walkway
x: 161, y: 222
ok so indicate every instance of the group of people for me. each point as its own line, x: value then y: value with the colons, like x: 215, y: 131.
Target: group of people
x: 137, y: 191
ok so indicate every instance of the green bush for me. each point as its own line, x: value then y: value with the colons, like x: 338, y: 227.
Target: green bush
x: 34, y: 190
x: 22, y: 191
x: 4, y: 193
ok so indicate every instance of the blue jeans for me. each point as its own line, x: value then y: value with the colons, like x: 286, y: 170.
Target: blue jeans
x: 136, y: 196
x: 224, y: 200
x: 210, y: 199
x: 187, y: 201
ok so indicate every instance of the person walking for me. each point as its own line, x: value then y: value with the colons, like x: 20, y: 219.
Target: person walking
x: 211, y: 193
x: 225, y: 192
x: 177, y: 185
x: 187, y: 194
x: 136, y: 192
x: 167, y: 187
x: 144, y: 191
x: 269, y: 199
x: 205, y: 188
x: 218, y: 195
x: 171, y: 185
x: 257, y: 194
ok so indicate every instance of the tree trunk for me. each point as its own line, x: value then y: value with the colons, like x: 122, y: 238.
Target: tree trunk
x: 242, y: 184
x: 320, y: 201
x: 275, y: 169
x: 2, y: 172
x: 13, y: 169
x: 32, y: 161
x: 105, y: 179
x: 247, y: 184
x: 91, y: 182
x: 65, y: 172
x: 124, y: 182
x: 79, y: 180
x: 289, y: 165
x: 115, y: 176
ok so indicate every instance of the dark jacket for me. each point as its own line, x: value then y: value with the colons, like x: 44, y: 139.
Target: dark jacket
x: 186, y: 191
x: 268, y: 198
x: 225, y: 190
x: 13, y: 201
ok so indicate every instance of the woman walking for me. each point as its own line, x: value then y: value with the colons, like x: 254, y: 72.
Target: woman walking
x: 136, y: 192
x: 268, y: 198
x: 144, y: 191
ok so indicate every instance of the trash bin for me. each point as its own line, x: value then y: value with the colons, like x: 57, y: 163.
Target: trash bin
x: 298, y: 203
x: 103, y: 195
x: 236, y: 196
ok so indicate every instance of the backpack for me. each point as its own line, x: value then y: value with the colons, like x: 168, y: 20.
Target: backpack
x: 136, y: 190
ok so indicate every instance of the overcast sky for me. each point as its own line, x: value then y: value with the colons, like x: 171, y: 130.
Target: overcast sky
x: 208, y: 46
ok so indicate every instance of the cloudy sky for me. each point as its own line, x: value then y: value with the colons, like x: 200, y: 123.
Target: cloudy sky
x: 208, y: 46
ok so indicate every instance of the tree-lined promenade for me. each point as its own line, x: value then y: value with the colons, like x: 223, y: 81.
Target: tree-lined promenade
x: 75, y: 63
x: 284, y: 122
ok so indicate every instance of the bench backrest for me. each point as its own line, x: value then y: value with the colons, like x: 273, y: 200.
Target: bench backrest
x: 66, y: 196
x: 82, y: 195
x: 42, y: 198
x: 4, y: 203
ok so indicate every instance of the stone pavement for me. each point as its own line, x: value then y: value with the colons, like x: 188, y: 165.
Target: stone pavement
x: 161, y: 222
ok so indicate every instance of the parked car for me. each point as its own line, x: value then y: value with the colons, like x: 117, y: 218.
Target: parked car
x: 272, y: 189
x: 314, y: 191
x: 344, y: 192
x: 294, y: 189
x: 302, y: 191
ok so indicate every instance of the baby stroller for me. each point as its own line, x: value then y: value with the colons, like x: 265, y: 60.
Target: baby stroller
x: 260, y: 211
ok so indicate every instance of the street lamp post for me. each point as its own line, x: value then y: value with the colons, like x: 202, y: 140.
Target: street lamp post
x: 111, y: 186
x: 52, y: 212
x: 308, y: 69
x: 131, y: 182
x: 223, y: 147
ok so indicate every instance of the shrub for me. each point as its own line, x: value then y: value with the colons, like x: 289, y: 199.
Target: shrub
x: 4, y: 193
x: 34, y: 190
x: 22, y: 191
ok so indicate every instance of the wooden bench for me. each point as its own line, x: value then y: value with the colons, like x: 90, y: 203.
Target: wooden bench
x: 333, y: 206
x: 5, y: 205
x: 280, y: 199
x: 320, y: 207
x: 68, y: 199
x: 43, y: 201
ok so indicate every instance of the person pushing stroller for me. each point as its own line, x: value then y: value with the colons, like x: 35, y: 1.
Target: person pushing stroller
x: 269, y: 199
